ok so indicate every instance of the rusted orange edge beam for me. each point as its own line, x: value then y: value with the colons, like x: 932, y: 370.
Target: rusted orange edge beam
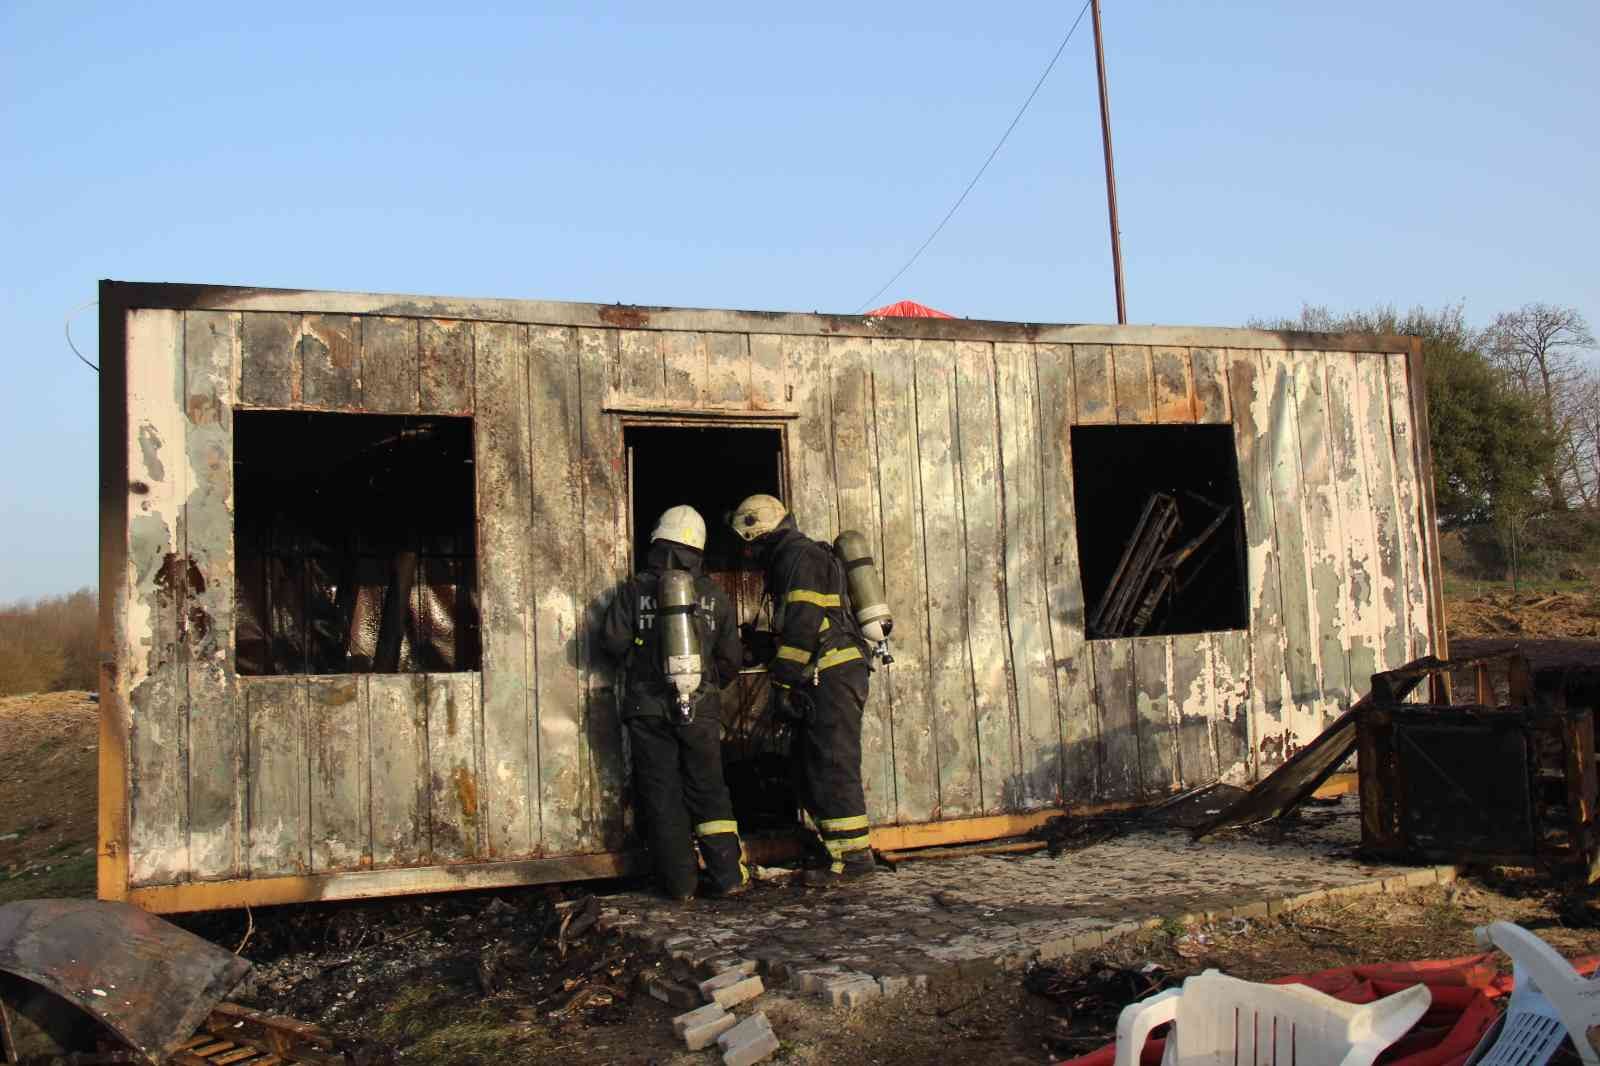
x: 368, y: 884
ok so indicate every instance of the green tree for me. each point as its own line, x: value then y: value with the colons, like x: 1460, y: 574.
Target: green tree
x: 1490, y: 441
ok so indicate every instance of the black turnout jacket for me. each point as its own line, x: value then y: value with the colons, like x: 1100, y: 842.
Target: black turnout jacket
x: 810, y: 605
x: 629, y: 633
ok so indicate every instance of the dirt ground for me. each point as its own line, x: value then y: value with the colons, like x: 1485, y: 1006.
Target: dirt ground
x: 47, y: 795
x: 482, y: 979
x: 1573, y: 614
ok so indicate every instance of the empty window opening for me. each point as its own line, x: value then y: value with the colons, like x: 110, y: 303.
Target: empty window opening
x: 713, y: 468
x: 1160, y: 529
x: 709, y: 468
x: 355, y: 544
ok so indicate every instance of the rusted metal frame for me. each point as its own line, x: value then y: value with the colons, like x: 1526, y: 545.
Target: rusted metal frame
x: 395, y: 881
x: 112, y: 846
x: 694, y: 418
x: 1582, y: 795
x: 184, y: 297
x: 1417, y: 380
x: 724, y: 416
x: 1380, y: 823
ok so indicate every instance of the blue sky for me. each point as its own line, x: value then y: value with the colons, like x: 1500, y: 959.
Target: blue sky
x: 1268, y: 154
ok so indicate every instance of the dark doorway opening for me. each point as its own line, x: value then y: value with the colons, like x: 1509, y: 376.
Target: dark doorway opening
x: 712, y: 468
x: 355, y: 543
x: 1172, y: 494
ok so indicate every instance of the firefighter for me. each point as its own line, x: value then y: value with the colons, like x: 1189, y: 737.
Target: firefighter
x: 677, y: 765
x: 819, y: 681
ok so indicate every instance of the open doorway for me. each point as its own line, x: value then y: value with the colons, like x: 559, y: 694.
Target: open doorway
x: 712, y: 468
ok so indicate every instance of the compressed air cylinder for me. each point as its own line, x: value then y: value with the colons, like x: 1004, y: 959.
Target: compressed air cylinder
x: 866, y: 587
x: 680, y: 638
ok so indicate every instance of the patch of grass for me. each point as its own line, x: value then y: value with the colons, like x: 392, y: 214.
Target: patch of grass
x: 1467, y: 587
x: 427, y: 1024
x: 70, y: 878
x: 1442, y: 915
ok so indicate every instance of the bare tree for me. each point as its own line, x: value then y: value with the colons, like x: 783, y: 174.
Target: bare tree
x: 1584, y: 411
x: 1538, y: 347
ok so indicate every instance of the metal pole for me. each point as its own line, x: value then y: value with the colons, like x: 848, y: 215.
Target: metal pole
x: 1111, y: 173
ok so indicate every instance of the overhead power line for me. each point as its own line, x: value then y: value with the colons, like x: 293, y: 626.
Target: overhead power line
x: 948, y: 215
x: 68, y: 326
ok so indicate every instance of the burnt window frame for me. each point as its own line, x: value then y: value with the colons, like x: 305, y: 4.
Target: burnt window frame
x: 318, y: 558
x: 1111, y: 491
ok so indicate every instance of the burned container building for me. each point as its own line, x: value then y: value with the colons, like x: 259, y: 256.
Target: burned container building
x: 353, y: 548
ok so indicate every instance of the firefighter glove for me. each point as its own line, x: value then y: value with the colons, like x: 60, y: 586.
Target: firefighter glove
x: 791, y: 704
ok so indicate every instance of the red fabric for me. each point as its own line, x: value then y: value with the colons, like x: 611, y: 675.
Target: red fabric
x: 907, y: 309
x: 1464, y: 991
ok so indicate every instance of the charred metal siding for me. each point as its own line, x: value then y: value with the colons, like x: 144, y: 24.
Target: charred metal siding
x: 946, y: 442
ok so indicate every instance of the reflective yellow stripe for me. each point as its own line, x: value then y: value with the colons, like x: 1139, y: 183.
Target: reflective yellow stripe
x: 823, y: 628
x: 819, y: 599
x: 834, y: 825
x: 711, y: 829
x: 791, y: 654
x: 835, y: 657
x: 845, y: 845
x: 639, y: 641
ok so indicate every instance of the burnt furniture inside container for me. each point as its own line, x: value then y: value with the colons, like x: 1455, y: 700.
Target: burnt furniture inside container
x: 355, y: 544
x: 1160, y: 529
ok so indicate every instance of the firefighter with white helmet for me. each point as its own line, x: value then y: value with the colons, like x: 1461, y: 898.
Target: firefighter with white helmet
x: 674, y: 628
x: 819, y: 680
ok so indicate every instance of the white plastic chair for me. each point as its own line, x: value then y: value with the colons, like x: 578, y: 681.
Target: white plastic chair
x: 1549, y: 1001
x: 1223, y: 1021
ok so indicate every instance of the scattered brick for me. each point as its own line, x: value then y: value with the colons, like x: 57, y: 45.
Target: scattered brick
x: 851, y: 990
x: 700, y: 1027
x: 748, y: 1042
x: 731, y: 989
x: 674, y: 994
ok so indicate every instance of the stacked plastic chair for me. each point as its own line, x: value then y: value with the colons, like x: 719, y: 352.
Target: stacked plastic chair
x: 1222, y: 1021
x: 1549, y: 1001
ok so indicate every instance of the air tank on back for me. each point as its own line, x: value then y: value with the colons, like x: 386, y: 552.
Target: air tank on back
x: 867, y: 598
x: 681, y: 657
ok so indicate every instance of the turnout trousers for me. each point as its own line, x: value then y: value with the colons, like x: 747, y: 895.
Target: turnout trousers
x: 682, y: 799
x: 827, y: 763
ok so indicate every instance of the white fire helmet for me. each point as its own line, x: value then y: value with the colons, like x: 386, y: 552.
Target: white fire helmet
x: 681, y: 525
x: 757, y: 516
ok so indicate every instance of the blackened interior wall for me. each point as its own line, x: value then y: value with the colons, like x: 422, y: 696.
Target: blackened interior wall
x: 1116, y: 469
x: 341, y: 519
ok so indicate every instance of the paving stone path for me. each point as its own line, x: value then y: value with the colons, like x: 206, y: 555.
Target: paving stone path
x: 969, y: 916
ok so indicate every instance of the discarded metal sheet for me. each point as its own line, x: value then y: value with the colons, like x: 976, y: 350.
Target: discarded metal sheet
x: 144, y: 979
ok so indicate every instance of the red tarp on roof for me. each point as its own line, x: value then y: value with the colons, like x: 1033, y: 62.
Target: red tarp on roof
x: 907, y: 309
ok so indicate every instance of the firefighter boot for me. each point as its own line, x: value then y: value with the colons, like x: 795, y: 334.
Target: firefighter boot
x: 852, y: 865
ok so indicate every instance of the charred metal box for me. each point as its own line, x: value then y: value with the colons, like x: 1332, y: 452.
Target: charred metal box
x: 1511, y: 785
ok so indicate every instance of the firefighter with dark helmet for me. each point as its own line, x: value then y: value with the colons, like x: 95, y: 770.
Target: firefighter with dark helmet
x: 675, y: 631
x: 819, y: 680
